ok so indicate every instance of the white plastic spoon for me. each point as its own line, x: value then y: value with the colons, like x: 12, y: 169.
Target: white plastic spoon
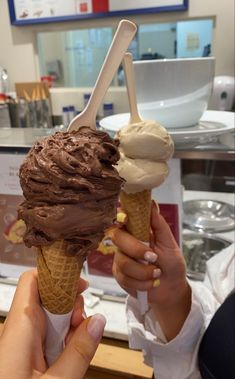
x: 121, y: 40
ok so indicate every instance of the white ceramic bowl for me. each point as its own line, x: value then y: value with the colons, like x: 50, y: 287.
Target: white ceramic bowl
x: 174, y: 92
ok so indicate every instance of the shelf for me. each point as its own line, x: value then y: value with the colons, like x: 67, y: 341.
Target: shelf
x: 220, y: 155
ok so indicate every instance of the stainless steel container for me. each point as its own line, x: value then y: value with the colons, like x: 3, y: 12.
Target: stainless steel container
x: 197, y: 249
x: 209, y: 216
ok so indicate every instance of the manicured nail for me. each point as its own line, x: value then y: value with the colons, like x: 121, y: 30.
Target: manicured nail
x: 121, y: 217
x: 96, y: 326
x: 156, y: 206
x: 156, y: 283
x: 150, y: 257
x: 156, y: 273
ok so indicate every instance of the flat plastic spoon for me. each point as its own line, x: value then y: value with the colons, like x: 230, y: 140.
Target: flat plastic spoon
x: 121, y: 40
x: 131, y: 88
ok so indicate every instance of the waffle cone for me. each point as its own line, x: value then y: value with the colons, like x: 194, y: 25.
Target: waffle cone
x: 137, y: 206
x: 58, y: 276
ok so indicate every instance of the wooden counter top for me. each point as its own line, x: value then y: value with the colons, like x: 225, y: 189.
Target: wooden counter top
x: 114, y: 359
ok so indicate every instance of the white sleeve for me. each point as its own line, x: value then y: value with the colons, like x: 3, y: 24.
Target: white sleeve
x: 177, y: 359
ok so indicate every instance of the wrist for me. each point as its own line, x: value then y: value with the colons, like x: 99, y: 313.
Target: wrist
x: 172, y: 314
x: 179, y: 295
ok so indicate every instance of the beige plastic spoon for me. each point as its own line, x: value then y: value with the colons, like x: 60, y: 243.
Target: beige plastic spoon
x: 131, y: 88
x: 121, y: 40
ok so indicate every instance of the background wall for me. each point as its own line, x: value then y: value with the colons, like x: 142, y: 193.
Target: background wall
x: 18, y: 45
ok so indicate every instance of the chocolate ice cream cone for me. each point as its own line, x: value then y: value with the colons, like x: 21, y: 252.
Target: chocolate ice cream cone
x: 58, y: 276
x: 137, y: 206
x: 71, y: 190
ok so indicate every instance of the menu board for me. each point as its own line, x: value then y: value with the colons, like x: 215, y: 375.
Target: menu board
x: 23, y: 12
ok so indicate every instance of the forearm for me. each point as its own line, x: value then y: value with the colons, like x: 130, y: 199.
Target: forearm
x: 171, y: 317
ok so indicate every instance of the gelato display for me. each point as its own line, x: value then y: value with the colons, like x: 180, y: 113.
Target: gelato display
x: 145, y: 147
x: 71, y: 192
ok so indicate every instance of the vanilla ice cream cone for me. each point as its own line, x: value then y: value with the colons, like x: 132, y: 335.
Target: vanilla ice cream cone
x: 145, y: 146
x: 58, y: 275
x: 138, y: 208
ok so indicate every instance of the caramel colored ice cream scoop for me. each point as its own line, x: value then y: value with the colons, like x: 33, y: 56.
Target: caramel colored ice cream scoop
x: 144, y: 148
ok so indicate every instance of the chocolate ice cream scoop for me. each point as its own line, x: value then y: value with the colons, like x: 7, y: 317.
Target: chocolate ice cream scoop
x: 71, y: 189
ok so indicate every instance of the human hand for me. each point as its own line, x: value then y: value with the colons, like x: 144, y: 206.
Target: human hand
x: 21, y: 341
x: 164, y: 277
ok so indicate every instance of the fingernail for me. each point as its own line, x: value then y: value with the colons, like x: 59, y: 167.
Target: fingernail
x: 150, y: 257
x: 86, y: 285
x: 84, y: 315
x: 156, y: 273
x: 96, y: 326
x: 156, y: 283
x: 121, y: 217
x: 156, y: 206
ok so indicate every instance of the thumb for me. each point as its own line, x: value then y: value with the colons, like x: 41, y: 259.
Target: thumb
x: 161, y: 230
x: 77, y: 355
